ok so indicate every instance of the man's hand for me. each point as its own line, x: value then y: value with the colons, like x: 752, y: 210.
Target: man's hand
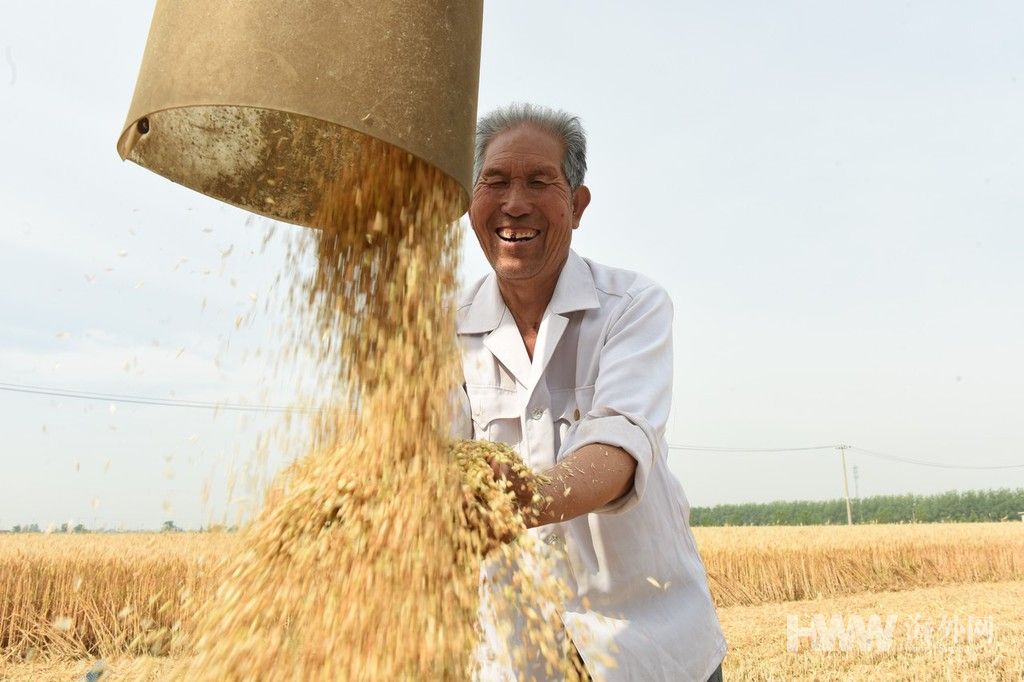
x: 523, y: 486
x: 497, y: 492
x: 588, y: 479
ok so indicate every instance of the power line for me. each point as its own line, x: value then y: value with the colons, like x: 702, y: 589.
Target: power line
x: 938, y: 465
x: 871, y: 453
x: 237, y: 407
x: 145, y: 400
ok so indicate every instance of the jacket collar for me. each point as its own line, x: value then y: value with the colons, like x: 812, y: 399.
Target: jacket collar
x: 574, y: 291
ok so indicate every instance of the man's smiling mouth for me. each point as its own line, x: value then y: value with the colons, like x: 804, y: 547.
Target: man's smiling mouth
x: 513, y: 235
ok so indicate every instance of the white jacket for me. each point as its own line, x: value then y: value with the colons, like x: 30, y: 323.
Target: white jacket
x: 601, y: 373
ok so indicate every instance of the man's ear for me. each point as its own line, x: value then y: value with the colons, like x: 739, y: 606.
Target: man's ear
x: 580, y: 201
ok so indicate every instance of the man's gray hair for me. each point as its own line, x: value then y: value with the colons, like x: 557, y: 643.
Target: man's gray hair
x: 565, y: 126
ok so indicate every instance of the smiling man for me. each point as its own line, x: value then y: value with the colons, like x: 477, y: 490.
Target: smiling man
x: 570, y: 363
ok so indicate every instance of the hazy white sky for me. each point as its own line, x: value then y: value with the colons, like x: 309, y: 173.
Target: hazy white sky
x: 831, y: 192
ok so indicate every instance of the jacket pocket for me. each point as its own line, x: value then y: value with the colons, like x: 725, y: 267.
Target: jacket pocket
x: 584, y: 400
x: 496, y: 414
x: 568, y: 407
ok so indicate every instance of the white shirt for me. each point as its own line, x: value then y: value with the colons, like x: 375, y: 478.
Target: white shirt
x: 601, y: 373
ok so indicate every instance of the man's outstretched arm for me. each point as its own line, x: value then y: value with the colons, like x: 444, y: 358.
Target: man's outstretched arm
x: 586, y: 480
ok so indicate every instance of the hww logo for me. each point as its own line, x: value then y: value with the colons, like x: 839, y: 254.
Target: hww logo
x: 835, y: 633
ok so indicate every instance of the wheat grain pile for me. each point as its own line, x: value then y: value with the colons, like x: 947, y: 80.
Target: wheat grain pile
x: 365, y: 562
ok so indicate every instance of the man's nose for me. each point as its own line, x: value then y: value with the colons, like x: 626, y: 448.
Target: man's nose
x: 514, y: 202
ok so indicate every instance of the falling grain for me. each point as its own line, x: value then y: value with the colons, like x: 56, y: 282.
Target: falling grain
x: 365, y: 562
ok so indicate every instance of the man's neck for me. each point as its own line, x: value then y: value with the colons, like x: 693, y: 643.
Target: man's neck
x: 527, y: 301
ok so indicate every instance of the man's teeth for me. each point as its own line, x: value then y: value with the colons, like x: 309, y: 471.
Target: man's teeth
x: 517, y: 235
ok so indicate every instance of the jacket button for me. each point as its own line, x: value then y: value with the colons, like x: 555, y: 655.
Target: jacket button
x: 537, y: 413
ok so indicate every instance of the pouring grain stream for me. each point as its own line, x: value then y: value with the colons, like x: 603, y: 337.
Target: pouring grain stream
x: 366, y: 563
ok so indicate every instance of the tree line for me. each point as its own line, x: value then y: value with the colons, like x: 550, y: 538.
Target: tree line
x: 1003, y: 504
x: 167, y: 527
x: 62, y: 528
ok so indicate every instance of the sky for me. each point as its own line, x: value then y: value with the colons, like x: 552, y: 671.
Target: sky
x: 830, y: 192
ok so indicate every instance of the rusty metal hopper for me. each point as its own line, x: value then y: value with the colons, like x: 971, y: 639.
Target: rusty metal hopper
x: 255, y: 102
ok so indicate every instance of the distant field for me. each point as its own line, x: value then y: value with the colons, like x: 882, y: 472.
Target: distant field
x: 755, y: 565
x: 65, y: 599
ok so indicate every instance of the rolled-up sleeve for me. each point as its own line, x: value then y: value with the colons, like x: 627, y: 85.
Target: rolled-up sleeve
x: 633, y: 391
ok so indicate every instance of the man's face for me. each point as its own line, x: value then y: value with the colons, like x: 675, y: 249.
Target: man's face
x: 522, y: 210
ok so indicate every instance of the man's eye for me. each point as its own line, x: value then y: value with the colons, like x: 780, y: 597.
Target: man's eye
x: 497, y: 184
x: 538, y: 184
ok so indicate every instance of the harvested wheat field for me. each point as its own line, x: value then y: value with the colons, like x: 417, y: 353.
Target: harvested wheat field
x: 754, y: 565
x: 66, y: 600
x: 954, y: 632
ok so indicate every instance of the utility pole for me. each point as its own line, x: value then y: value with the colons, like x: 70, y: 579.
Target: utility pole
x: 856, y: 494
x: 846, y: 485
